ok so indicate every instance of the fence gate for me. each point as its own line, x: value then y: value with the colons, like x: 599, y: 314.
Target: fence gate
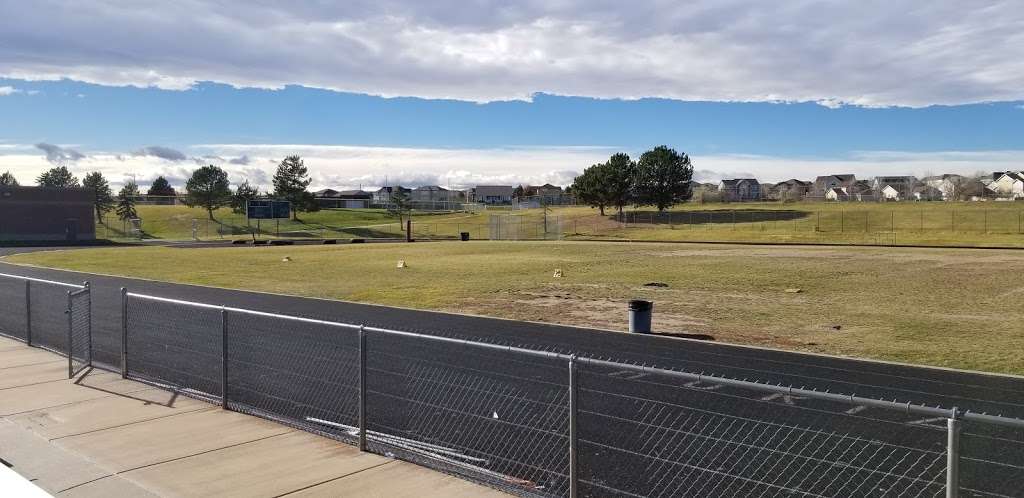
x: 79, y: 330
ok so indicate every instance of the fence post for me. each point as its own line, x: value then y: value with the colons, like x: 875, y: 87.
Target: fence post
x: 89, y: 324
x: 362, y: 388
x: 573, y: 443
x: 28, y: 312
x: 224, y: 358
x: 124, y: 333
x: 953, y: 455
x: 71, y: 366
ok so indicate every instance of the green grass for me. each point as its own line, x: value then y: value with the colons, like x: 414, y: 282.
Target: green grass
x: 175, y: 223
x: 907, y: 223
x: 945, y: 307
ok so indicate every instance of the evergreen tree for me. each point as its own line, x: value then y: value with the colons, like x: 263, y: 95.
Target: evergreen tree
x: 243, y: 194
x: 103, y: 201
x: 57, y: 177
x: 290, y: 183
x: 126, y: 201
x: 8, y: 180
x: 662, y: 178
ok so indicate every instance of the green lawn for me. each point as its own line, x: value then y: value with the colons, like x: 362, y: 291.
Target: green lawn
x: 175, y: 223
x: 946, y: 307
x: 906, y: 223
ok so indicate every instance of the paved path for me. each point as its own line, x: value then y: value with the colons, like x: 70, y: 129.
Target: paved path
x: 100, y: 436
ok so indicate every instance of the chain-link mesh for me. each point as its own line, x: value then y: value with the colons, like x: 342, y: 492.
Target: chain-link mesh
x: 475, y: 416
x: 175, y: 344
x: 49, y: 322
x: 991, y: 460
x: 80, y: 314
x: 13, y: 318
x: 644, y: 436
x: 300, y: 373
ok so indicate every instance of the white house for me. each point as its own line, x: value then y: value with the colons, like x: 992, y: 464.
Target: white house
x: 890, y: 193
x: 1009, y: 185
x: 836, y: 194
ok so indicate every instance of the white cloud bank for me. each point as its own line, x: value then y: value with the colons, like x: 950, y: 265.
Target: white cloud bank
x: 877, y: 53
x: 349, y: 167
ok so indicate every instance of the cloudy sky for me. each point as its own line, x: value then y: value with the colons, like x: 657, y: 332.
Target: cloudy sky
x: 453, y: 92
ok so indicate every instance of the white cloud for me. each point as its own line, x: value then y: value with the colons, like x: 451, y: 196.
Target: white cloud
x: 8, y: 90
x: 916, y: 52
x: 368, y: 167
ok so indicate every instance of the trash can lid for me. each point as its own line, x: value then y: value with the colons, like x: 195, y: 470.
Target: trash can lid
x: 640, y: 305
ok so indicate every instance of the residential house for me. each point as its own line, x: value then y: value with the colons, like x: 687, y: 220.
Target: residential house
x: 433, y: 193
x: 837, y: 194
x: 927, y: 193
x: 861, y: 191
x: 492, y: 194
x: 383, y: 194
x: 822, y: 184
x: 889, y: 193
x: 902, y: 187
x: 740, y: 189
x: 351, y: 199
x: 1009, y: 185
x: 792, y: 190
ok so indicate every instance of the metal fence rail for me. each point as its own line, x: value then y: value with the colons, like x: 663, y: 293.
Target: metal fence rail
x: 571, y: 426
x: 51, y: 315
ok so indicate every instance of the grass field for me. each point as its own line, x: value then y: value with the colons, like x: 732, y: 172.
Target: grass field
x: 175, y: 223
x: 945, y: 307
x: 907, y: 223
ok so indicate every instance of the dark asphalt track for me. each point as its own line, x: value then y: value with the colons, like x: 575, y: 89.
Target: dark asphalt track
x: 644, y: 435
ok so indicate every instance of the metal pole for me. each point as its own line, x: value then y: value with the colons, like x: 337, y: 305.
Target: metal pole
x: 362, y: 388
x: 28, y: 312
x: 573, y: 442
x: 224, y: 358
x: 124, y: 333
x: 89, y: 323
x: 953, y: 455
x: 71, y: 367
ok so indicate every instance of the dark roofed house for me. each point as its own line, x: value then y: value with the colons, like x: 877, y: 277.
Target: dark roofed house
x: 383, y: 194
x: 740, y: 189
x: 822, y: 184
x: 792, y: 190
x: 350, y: 199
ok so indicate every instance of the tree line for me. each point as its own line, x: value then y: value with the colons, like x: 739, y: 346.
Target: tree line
x: 660, y: 178
x: 207, y: 188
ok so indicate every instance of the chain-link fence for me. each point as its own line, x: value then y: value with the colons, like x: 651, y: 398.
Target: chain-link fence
x: 56, y: 316
x: 79, y: 330
x: 539, y: 423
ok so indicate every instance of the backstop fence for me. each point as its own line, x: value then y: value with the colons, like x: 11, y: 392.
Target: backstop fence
x: 546, y: 423
x: 56, y: 316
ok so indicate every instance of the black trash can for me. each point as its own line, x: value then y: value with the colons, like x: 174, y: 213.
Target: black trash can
x: 464, y: 235
x: 640, y: 316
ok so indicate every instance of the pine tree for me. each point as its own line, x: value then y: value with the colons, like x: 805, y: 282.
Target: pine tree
x: 103, y: 201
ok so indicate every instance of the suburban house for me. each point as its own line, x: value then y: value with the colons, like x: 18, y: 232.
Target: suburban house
x: 434, y: 193
x: 547, y: 194
x: 383, y: 194
x: 823, y: 184
x: 836, y: 194
x: 890, y: 193
x: 902, y: 187
x: 740, y: 189
x: 791, y: 189
x: 492, y: 194
x: 352, y: 199
x: 1008, y: 185
x: 927, y: 193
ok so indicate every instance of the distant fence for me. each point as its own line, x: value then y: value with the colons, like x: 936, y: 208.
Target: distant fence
x: 51, y: 315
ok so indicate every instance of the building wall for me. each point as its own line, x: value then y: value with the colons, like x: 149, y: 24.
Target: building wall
x: 46, y: 214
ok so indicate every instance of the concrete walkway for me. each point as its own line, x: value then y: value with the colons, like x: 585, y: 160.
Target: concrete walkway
x: 99, y: 436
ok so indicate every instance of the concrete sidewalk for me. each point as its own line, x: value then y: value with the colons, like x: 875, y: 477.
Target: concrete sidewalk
x: 99, y: 436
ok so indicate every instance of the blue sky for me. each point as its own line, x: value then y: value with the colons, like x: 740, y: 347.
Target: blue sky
x: 509, y: 92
